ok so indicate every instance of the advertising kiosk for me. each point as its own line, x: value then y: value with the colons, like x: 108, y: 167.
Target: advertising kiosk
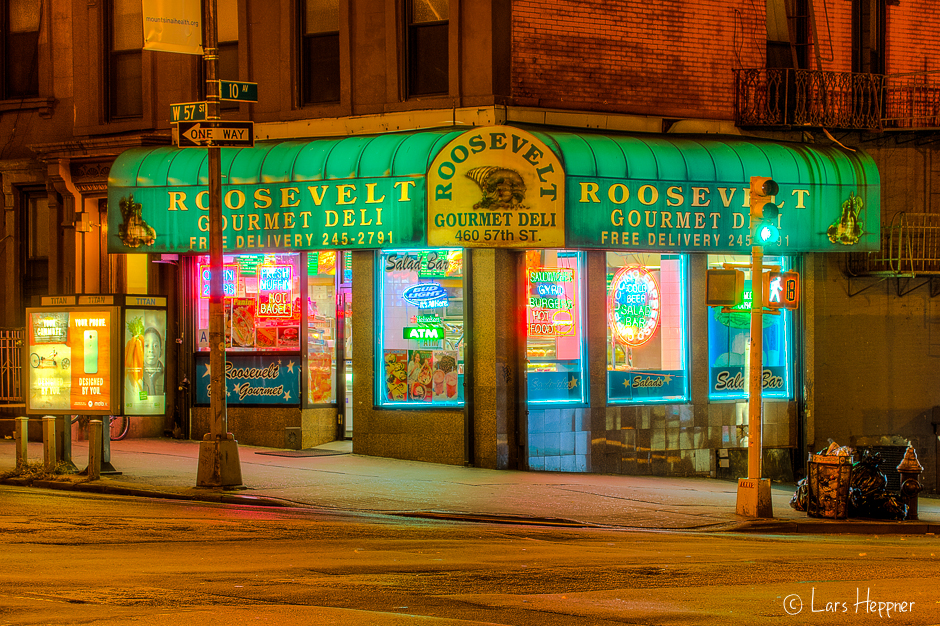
x: 76, y: 346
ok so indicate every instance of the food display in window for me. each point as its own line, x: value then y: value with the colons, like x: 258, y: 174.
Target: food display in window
x: 319, y: 377
x: 266, y: 337
x: 444, y: 378
x: 396, y: 374
x: 420, y: 374
x: 243, y: 322
x: 288, y: 337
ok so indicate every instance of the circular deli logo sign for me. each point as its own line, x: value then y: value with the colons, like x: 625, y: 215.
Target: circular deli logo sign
x: 497, y: 187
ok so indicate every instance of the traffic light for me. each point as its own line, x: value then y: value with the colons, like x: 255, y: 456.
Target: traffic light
x: 763, y: 211
x: 781, y: 290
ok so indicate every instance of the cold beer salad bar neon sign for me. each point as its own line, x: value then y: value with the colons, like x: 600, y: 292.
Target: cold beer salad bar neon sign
x: 633, y: 305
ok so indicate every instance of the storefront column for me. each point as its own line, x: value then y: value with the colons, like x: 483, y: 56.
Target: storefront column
x: 498, y: 353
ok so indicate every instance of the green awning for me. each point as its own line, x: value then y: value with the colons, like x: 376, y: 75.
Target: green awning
x: 649, y: 192
x: 829, y: 196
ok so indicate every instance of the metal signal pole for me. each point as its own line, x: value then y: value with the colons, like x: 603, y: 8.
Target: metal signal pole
x: 219, y: 465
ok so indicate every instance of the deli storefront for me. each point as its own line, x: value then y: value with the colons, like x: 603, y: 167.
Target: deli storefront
x: 495, y: 296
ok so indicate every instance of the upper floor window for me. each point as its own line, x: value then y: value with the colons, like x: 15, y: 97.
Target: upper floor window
x: 319, y: 57
x: 125, y: 59
x: 427, y: 47
x: 228, y: 46
x: 20, y: 32
x: 868, y: 36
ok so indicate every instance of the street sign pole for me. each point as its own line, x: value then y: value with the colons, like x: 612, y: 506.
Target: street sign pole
x: 219, y: 464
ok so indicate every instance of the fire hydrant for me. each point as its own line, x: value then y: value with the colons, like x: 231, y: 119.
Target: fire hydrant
x: 910, y: 470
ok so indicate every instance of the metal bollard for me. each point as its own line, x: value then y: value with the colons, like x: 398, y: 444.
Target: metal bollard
x: 94, y: 449
x: 48, y: 443
x: 22, y: 439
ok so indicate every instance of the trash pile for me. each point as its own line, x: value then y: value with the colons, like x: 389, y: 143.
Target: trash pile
x: 867, y: 493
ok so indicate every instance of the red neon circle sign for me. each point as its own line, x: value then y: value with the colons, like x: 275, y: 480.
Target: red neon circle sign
x: 633, y: 305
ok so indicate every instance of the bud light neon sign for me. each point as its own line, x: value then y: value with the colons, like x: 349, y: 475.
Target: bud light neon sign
x: 426, y: 296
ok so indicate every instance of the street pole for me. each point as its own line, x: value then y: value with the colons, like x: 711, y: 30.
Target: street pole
x: 219, y: 464
x: 756, y: 366
x: 754, y: 491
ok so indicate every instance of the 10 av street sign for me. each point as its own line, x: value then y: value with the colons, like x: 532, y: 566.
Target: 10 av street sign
x: 215, y: 134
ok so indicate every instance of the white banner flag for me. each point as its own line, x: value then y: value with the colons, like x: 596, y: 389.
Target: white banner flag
x: 173, y: 26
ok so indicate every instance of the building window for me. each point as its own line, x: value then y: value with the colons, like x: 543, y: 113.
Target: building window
x: 125, y: 60
x: 38, y: 228
x: 868, y: 36
x: 420, y: 359
x: 427, y: 47
x: 228, y: 47
x: 729, y: 336
x: 319, y: 55
x: 647, y: 347
x: 555, y: 346
x: 20, y: 33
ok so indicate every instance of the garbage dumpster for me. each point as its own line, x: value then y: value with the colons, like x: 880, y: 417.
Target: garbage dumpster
x: 829, y: 479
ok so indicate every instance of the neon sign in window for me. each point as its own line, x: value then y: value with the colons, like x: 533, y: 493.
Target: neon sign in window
x: 550, y: 307
x: 633, y: 305
x: 229, y: 280
x: 275, y: 291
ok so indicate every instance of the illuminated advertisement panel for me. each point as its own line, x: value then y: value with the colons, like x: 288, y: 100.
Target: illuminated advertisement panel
x: 69, y: 361
x: 144, y: 361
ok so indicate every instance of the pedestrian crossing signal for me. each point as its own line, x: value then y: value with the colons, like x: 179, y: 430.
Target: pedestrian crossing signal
x: 781, y: 290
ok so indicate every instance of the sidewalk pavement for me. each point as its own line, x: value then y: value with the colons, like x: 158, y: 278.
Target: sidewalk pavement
x: 331, y: 478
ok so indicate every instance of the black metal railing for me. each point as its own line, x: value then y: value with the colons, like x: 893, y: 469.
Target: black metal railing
x: 912, y: 101
x: 910, y: 246
x: 11, y: 365
x: 806, y: 98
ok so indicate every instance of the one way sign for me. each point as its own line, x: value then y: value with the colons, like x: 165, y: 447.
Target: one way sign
x: 213, y: 134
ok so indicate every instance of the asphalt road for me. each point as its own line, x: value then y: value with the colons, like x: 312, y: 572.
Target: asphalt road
x: 70, y: 558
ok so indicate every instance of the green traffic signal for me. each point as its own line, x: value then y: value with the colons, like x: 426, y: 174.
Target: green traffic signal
x: 764, y: 213
x: 766, y: 233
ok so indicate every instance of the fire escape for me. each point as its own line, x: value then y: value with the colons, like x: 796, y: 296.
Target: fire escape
x: 907, y: 105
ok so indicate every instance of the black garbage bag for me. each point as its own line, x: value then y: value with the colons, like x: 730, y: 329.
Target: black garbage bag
x: 798, y: 501
x: 868, y: 493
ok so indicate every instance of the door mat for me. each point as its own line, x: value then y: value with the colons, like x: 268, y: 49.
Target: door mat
x: 302, y: 453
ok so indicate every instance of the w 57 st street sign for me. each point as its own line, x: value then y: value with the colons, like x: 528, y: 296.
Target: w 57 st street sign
x: 216, y: 134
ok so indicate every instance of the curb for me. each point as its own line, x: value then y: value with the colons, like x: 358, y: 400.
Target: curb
x: 837, y: 527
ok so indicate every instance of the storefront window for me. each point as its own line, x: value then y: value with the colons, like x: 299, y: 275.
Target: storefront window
x: 729, y: 335
x: 321, y: 326
x: 555, y: 350
x: 263, y: 318
x: 647, y: 347
x: 420, y: 336
x: 262, y: 302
